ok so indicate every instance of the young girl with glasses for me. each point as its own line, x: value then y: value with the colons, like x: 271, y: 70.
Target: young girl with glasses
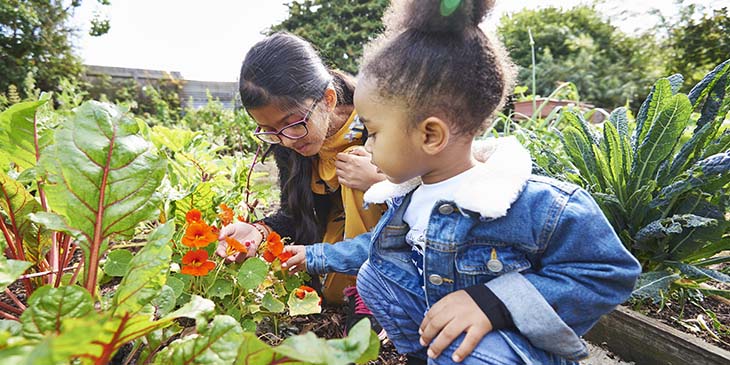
x: 304, y: 112
x: 473, y: 262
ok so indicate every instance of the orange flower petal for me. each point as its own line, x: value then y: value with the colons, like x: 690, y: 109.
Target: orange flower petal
x: 207, y: 266
x: 236, y: 245
x: 273, y: 236
x: 194, y: 270
x: 193, y: 216
x: 285, y: 256
x: 226, y: 214
x: 276, y: 247
x: 269, y: 257
x: 195, y: 256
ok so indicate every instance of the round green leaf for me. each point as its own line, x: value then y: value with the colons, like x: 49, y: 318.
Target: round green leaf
x: 117, y: 262
x: 307, y: 305
x: 220, y: 289
x: 165, y: 302
x: 272, y: 304
x: 176, y: 284
x: 252, y: 273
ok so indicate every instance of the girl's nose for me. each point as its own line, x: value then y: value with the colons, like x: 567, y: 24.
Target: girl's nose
x: 287, y: 142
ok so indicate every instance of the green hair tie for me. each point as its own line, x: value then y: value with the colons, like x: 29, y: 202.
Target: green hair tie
x: 448, y: 7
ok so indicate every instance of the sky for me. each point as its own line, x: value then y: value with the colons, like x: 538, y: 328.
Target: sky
x: 207, y: 40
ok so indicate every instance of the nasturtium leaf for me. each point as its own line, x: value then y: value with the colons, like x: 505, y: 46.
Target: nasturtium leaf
x: 176, y: 284
x: 117, y: 262
x: 220, y: 288
x: 252, y: 273
x: 165, y: 302
x: 307, y: 305
x: 272, y: 304
x: 292, y: 282
x: 248, y: 325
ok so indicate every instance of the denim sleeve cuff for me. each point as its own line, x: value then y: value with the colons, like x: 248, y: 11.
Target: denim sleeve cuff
x: 492, y: 307
x: 535, y: 318
x: 315, y: 258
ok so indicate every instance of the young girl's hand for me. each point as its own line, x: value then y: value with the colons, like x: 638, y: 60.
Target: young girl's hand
x: 298, y: 262
x: 242, y: 232
x: 447, y: 319
x: 355, y: 170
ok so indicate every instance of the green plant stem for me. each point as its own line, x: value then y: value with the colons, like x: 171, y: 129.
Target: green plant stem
x: 534, y: 72
x: 218, y: 268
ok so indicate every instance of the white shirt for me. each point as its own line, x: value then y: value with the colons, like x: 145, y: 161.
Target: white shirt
x: 422, y: 202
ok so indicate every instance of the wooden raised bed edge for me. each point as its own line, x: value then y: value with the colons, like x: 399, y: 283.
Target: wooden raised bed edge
x: 635, y: 337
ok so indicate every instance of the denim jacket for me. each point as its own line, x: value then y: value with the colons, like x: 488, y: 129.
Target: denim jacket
x: 556, y: 263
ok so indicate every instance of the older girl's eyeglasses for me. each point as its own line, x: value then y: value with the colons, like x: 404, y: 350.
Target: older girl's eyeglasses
x: 296, y: 130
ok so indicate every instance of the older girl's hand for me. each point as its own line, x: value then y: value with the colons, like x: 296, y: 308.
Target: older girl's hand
x: 242, y: 232
x: 355, y: 170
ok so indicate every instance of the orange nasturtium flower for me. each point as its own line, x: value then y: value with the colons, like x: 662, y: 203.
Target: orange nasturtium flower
x: 199, y: 235
x: 226, y: 215
x: 302, y: 291
x: 275, y: 249
x: 193, y: 216
x: 196, y: 263
x: 234, y: 246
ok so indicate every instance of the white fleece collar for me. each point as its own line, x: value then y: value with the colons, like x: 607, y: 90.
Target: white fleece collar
x: 493, y: 185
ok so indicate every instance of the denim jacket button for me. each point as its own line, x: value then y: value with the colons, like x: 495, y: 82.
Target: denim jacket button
x: 435, y: 279
x: 446, y: 209
x: 494, y: 265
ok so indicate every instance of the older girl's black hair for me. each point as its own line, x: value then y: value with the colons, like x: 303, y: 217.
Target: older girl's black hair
x: 434, y: 58
x: 286, y: 71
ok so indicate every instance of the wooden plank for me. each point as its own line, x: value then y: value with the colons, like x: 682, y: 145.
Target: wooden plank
x: 635, y: 337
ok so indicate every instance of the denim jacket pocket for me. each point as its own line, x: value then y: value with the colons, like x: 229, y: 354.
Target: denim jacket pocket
x: 478, y: 263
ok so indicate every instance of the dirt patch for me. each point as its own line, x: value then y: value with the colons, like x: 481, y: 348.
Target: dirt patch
x: 707, y: 318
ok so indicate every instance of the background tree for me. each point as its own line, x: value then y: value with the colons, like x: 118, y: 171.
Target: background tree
x: 699, y: 41
x: 608, y: 66
x: 36, y: 37
x: 337, y: 28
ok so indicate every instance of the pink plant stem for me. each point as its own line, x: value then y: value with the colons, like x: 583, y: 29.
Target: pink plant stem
x: 53, y: 254
x: 18, y: 249
x: 9, y: 316
x: 10, y: 309
x: 8, y: 239
x: 65, y: 243
x: 248, y: 184
x: 15, y: 299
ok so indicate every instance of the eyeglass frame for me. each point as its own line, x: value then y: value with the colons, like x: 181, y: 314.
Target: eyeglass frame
x: 258, y: 133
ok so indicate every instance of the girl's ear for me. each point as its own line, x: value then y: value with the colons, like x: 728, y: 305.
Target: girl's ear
x: 330, y: 98
x: 435, y: 135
